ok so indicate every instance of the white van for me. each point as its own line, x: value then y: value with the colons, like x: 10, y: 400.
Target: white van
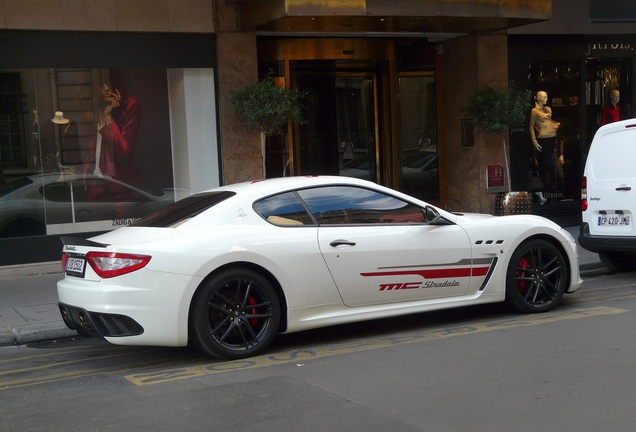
x: 608, y: 196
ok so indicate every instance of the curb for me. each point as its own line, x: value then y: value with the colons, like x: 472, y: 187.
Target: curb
x: 35, y: 332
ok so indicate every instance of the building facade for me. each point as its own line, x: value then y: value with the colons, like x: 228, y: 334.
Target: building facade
x: 111, y: 109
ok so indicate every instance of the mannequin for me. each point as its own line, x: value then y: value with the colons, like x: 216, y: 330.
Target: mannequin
x: 543, y: 132
x: 611, y: 112
x: 117, y: 125
x: 117, y: 129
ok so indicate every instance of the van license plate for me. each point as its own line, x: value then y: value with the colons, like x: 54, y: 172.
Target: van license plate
x: 614, y: 221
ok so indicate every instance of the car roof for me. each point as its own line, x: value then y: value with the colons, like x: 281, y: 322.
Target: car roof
x: 254, y: 190
x: 280, y: 184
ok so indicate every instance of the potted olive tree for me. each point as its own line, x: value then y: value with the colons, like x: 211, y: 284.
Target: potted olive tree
x: 267, y: 108
x: 497, y: 110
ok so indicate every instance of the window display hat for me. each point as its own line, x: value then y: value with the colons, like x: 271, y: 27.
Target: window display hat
x: 59, y: 118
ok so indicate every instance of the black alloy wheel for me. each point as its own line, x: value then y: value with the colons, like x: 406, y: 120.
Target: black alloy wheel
x: 537, y: 277
x: 235, y: 314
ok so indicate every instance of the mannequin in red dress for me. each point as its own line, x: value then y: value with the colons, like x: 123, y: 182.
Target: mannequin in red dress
x: 110, y: 152
x: 611, y: 111
x: 118, y: 126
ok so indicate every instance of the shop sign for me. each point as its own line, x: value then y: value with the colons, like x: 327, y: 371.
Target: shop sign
x: 495, y: 178
x: 608, y: 47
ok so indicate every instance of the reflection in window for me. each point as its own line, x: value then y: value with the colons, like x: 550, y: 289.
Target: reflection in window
x: 418, y: 136
x: 93, y: 145
x: 354, y: 205
x: 356, y: 126
x: 283, y: 209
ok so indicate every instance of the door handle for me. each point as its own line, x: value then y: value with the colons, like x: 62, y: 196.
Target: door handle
x: 624, y: 188
x: 341, y: 242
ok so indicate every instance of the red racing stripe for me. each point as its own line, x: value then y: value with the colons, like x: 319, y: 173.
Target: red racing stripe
x: 436, y: 273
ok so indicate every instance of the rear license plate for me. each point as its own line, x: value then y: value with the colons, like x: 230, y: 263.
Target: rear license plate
x: 75, y: 266
x: 618, y: 220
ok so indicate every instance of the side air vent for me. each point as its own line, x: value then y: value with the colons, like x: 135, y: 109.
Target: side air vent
x: 488, y: 242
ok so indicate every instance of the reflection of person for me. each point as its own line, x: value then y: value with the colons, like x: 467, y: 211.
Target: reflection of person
x: 543, y: 132
x: 611, y: 111
x: 347, y: 147
x: 424, y: 142
x: 117, y: 128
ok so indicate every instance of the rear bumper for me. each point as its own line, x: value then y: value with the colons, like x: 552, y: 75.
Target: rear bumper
x: 595, y: 243
x: 99, y: 324
x: 141, y: 308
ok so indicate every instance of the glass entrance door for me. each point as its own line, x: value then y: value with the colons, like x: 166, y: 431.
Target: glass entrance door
x: 419, y: 173
x: 339, y: 134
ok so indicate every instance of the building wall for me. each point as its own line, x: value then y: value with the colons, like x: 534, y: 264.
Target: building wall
x: 242, y: 159
x: 570, y: 17
x: 237, y: 63
x: 192, y: 16
x: 470, y: 62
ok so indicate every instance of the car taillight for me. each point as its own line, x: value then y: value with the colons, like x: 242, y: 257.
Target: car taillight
x: 111, y: 264
x: 584, y: 194
x: 64, y: 260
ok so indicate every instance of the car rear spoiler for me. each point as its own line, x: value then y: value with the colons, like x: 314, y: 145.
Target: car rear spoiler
x: 78, y: 241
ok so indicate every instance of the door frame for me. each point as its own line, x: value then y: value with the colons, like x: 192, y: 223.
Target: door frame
x: 358, y: 55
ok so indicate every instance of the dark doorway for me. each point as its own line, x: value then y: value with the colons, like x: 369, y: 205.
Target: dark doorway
x: 339, y: 136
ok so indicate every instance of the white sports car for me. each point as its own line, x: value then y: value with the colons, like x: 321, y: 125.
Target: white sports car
x: 230, y: 268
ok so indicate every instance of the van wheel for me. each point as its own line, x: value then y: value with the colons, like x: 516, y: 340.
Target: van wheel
x: 618, y: 262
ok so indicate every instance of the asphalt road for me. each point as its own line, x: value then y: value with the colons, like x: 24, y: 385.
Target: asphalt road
x: 472, y: 369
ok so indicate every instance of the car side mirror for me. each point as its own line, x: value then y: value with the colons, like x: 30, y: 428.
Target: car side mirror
x: 432, y: 216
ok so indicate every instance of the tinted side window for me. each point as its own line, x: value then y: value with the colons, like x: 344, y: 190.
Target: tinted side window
x: 283, y: 209
x: 355, y: 205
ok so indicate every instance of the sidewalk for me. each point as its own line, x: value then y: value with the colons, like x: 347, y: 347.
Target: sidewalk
x: 28, y: 309
x: 29, y: 312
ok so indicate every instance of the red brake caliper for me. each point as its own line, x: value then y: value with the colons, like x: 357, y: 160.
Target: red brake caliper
x: 252, y: 301
x: 523, y: 264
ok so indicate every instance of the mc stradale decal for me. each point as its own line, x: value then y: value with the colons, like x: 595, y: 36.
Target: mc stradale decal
x: 439, y: 277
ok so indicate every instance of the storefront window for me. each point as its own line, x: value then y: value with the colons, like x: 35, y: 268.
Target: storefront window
x: 558, y: 164
x: 91, y: 149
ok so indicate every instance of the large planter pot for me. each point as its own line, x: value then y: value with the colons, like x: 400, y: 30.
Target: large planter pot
x: 509, y: 203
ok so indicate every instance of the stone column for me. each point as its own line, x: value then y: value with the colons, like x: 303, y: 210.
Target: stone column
x: 468, y: 63
x: 237, y: 68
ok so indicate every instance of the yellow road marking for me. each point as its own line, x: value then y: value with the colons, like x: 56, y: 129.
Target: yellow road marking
x: 610, y: 287
x: 48, y: 354
x: 304, y: 354
x: 80, y: 373
x: 60, y: 363
x: 170, y: 371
